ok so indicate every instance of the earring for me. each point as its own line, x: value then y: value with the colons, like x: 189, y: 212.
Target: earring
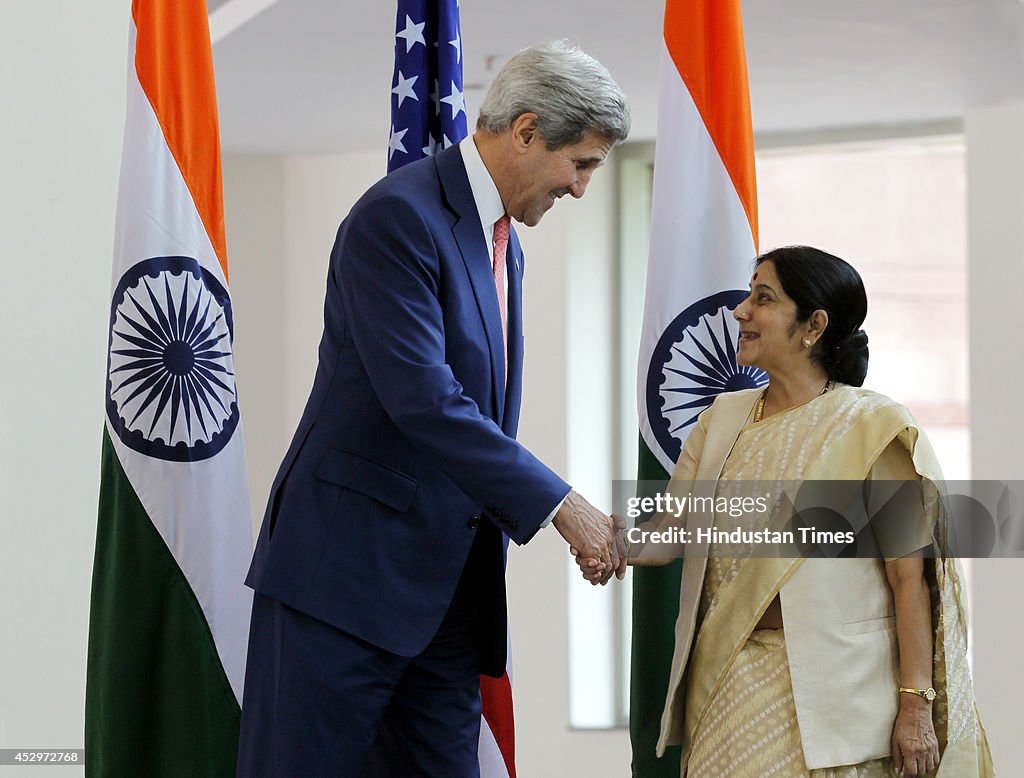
x: 807, y: 343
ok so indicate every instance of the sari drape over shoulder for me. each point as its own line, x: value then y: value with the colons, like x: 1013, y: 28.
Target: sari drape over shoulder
x: 836, y: 665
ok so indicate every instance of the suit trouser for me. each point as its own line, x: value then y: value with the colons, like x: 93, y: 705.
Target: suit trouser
x: 321, y: 702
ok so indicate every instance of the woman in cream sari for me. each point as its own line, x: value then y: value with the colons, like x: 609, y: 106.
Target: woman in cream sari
x: 823, y: 667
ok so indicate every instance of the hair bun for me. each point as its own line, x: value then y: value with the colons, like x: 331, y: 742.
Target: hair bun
x: 850, y: 358
x: 857, y: 339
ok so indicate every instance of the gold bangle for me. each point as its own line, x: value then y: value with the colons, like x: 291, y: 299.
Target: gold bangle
x: 928, y: 694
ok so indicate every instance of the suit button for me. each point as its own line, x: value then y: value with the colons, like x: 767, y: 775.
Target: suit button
x: 473, y: 523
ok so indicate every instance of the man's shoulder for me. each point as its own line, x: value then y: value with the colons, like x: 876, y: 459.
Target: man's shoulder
x: 410, y: 182
x: 418, y: 186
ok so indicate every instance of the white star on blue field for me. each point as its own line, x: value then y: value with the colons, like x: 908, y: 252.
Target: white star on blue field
x: 428, y: 55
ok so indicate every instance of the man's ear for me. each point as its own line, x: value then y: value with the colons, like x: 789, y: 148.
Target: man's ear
x: 525, y: 131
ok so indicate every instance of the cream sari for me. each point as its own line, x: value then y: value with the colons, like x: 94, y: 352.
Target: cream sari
x: 730, y: 701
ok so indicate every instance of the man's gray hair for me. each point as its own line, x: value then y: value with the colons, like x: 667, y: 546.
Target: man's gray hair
x: 570, y: 91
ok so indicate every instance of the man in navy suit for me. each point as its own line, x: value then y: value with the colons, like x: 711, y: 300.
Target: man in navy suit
x: 379, y: 568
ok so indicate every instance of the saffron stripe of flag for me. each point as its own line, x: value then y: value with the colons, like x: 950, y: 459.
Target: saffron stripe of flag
x: 428, y: 114
x: 703, y: 241
x: 169, y: 612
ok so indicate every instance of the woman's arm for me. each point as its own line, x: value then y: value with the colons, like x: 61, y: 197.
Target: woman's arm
x: 915, y: 749
x: 650, y: 554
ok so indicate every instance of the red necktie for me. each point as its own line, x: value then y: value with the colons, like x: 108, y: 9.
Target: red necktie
x: 501, y: 228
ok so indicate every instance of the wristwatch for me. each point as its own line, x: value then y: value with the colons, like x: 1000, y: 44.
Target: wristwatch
x: 928, y: 694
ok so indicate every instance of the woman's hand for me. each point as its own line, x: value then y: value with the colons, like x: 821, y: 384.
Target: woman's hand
x: 915, y: 749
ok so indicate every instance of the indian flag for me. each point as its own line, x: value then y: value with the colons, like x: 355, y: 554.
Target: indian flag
x: 169, y: 619
x: 703, y: 241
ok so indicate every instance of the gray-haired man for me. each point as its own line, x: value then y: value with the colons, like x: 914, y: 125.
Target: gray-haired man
x: 379, y: 572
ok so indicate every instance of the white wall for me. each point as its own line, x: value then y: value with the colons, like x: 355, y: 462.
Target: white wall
x: 258, y: 266
x: 62, y: 88
x: 995, y: 186
x: 281, y: 216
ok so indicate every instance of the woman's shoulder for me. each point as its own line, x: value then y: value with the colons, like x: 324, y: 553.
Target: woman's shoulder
x: 873, y: 412
x: 863, y: 401
x: 881, y: 422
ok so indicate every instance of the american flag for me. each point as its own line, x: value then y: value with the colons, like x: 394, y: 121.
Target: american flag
x: 428, y: 113
x: 428, y: 109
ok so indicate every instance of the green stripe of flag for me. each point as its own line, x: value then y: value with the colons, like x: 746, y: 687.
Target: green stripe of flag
x: 655, y: 607
x: 157, y: 701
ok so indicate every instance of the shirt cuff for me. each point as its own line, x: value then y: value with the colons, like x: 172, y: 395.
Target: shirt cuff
x: 552, y: 514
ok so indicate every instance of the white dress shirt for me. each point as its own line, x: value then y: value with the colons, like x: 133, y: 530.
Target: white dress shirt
x: 485, y: 195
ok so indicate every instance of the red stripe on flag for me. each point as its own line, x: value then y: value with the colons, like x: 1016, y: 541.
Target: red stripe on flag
x: 705, y: 40
x: 174, y: 64
x: 496, y: 698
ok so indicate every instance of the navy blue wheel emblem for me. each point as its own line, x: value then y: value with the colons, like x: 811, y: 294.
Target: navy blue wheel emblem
x: 170, y: 375
x: 695, y: 360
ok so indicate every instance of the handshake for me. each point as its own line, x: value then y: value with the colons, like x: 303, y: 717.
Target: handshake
x: 597, y: 541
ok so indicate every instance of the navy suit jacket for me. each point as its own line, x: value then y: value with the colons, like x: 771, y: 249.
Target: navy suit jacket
x: 406, y: 449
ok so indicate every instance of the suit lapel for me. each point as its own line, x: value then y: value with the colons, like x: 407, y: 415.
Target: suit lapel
x: 468, y: 233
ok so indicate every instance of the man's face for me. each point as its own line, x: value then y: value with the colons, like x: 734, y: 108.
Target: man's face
x: 542, y: 176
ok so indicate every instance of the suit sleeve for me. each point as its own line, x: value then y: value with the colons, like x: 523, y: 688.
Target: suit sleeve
x: 387, y: 269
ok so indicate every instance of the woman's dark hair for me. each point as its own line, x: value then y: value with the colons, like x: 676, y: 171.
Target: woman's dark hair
x: 815, y: 279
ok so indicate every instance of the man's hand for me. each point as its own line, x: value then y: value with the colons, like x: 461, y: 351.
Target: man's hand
x: 592, y: 536
x: 604, y: 557
x: 593, y: 570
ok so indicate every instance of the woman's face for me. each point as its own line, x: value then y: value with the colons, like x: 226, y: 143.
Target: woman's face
x: 770, y: 336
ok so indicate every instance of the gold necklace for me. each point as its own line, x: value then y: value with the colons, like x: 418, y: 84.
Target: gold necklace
x: 759, y: 410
